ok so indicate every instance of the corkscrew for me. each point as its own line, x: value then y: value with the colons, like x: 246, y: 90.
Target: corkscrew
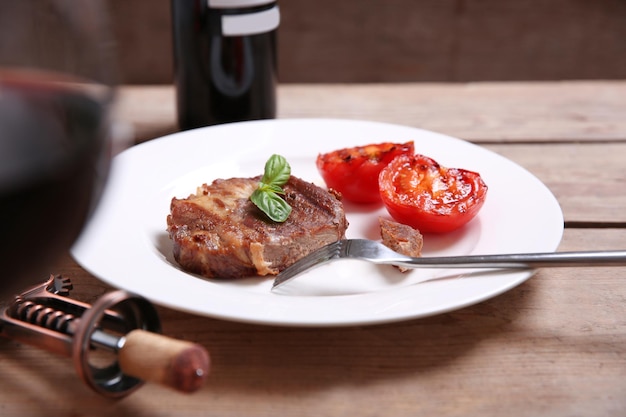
x: 115, y: 343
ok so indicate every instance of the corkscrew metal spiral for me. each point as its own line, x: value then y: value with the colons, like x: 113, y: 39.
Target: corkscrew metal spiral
x: 118, y: 322
x: 41, y: 315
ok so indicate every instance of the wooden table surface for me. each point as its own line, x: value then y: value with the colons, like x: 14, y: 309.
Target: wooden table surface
x: 553, y: 346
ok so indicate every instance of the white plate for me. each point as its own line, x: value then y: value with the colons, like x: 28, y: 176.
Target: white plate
x: 125, y: 243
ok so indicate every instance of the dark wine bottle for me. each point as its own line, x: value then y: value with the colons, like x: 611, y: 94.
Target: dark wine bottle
x: 225, y: 67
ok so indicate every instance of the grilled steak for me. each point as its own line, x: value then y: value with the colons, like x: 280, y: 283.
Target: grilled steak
x: 401, y: 238
x: 219, y: 233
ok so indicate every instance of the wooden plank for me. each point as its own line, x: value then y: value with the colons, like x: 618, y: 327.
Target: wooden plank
x: 547, y: 339
x: 554, y: 346
x: 451, y: 40
x: 480, y: 112
x: 404, y: 40
x: 143, y: 38
x: 538, y: 40
x: 483, y: 112
x: 146, y: 112
x: 588, y: 180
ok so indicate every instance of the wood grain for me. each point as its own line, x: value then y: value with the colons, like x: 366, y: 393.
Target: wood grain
x: 588, y: 179
x: 554, y: 346
x: 404, y: 40
x: 478, y: 112
x: 486, y: 112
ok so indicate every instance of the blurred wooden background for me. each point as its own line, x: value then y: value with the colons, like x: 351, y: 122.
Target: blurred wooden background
x: 407, y: 40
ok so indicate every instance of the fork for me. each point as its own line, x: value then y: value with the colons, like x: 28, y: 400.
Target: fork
x: 377, y: 253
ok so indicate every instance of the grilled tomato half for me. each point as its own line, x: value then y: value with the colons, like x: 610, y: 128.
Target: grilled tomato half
x: 419, y: 192
x: 354, y: 171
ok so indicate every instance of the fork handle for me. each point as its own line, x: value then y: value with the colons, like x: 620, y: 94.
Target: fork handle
x: 529, y: 260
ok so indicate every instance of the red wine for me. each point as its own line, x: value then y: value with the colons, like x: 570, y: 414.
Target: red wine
x: 223, y: 77
x: 53, y: 161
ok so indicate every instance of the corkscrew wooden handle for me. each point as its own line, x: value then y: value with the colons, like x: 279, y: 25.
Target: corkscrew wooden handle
x: 156, y: 358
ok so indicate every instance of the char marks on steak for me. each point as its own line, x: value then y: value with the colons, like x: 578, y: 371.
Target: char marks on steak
x: 401, y: 238
x: 219, y: 233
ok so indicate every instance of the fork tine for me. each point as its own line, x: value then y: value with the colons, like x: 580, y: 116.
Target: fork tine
x: 314, y: 259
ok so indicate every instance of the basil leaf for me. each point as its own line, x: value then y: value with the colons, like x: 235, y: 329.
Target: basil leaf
x: 266, y: 196
x: 277, y: 171
x: 271, y: 204
x: 272, y: 188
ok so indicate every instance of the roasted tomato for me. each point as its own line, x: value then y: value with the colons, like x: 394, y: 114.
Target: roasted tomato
x: 429, y: 197
x: 354, y: 171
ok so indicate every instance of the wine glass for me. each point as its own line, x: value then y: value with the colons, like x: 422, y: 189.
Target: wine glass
x: 56, y: 88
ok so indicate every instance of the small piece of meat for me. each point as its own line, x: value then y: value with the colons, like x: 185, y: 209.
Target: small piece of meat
x: 219, y: 233
x: 401, y: 238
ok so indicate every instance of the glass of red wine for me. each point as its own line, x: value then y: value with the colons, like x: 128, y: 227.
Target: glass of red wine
x: 56, y: 87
